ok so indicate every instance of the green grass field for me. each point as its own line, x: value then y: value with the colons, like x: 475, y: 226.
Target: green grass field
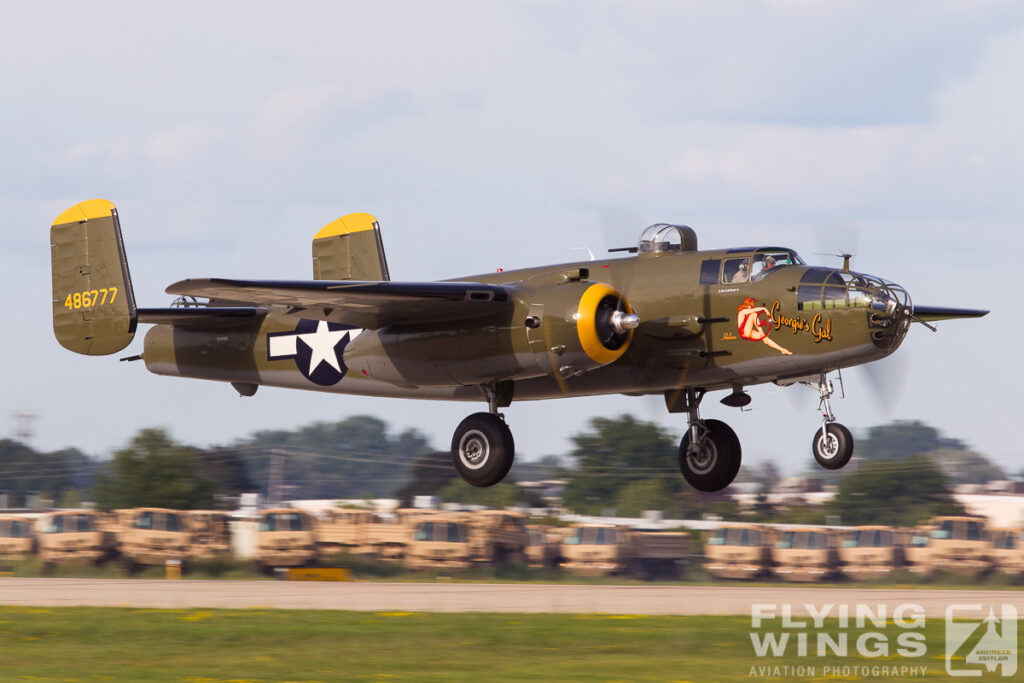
x: 218, y: 646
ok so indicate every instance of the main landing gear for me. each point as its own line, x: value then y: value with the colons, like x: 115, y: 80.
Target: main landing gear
x: 709, y: 453
x: 483, y: 448
x: 833, y: 443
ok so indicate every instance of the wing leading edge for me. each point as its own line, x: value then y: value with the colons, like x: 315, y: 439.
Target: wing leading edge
x: 201, y: 316
x: 370, y: 305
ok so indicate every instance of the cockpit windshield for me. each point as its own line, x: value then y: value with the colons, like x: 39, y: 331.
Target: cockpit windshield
x: 765, y: 261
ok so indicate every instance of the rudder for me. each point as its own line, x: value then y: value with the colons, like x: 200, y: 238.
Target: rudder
x: 93, y: 303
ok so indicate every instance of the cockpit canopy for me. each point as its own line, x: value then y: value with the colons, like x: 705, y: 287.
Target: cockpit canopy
x: 662, y: 237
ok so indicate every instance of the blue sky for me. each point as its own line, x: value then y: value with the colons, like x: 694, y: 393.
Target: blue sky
x: 505, y: 134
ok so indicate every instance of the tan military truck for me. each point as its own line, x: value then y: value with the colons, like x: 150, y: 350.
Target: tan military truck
x: 154, y: 536
x: 959, y: 545
x: 211, y: 533
x: 16, y: 537
x: 870, y: 552
x: 542, y: 548
x: 71, y: 536
x: 363, y: 532
x: 285, y: 537
x: 737, y: 551
x: 388, y: 537
x: 805, y: 554
x: 114, y: 521
x: 604, y: 549
x: 440, y: 541
x: 1008, y: 551
x: 497, y: 537
x: 344, y: 530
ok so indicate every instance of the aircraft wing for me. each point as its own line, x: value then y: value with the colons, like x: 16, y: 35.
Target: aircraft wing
x: 370, y: 305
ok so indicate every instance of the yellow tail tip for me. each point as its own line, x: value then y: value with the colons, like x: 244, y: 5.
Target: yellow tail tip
x: 346, y: 225
x: 84, y: 211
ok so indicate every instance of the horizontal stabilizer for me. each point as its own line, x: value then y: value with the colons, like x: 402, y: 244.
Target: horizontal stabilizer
x: 370, y: 305
x: 933, y: 313
x: 201, y: 316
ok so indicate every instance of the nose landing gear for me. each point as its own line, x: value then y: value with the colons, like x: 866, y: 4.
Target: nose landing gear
x: 709, y: 453
x: 833, y: 443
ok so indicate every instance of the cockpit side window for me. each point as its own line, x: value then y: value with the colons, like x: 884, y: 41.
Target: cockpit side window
x: 709, y: 271
x: 736, y: 270
x: 768, y: 260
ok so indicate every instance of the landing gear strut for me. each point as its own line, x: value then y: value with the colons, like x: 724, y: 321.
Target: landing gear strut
x: 709, y: 453
x: 483, y: 448
x: 833, y: 443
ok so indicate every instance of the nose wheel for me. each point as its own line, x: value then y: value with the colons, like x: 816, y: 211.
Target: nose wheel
x: 832, y: 445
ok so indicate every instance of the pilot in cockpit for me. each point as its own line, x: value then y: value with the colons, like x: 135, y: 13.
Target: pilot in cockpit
x: 741, y: 275
x: 762, y: 268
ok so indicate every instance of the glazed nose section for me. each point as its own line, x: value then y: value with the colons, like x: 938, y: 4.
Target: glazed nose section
x: 891, y: 312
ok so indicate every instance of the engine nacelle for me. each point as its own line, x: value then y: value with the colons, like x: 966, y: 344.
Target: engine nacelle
x: 579, y: 326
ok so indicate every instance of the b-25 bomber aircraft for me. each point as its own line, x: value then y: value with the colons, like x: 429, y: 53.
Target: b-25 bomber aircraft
x: 667, y: 319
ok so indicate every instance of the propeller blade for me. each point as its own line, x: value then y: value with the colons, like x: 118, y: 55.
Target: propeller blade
x: 620, y: 227
x: 887, y: 381
x: 831, y: 233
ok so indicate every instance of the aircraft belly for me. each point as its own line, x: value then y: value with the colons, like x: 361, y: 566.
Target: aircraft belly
x: 361, y: 386
x: 632, y: 379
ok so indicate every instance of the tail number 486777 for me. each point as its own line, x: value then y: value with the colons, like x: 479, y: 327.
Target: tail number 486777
x: 91, y: 298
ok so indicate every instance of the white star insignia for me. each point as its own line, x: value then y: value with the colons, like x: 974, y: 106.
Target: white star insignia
x: 322, y: 343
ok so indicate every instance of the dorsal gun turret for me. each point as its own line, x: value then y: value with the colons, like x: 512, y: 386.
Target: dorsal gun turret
x: 662, y: 238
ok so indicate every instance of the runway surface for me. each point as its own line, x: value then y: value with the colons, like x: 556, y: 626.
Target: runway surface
x: 478, y: 597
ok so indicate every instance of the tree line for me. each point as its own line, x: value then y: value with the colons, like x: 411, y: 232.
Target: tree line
x: 903, y: 472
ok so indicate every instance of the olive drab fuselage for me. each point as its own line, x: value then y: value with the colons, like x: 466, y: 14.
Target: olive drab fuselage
x: 689, y: 337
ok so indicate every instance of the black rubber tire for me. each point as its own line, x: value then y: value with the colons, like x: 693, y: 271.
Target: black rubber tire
x: 833, y: 449
x: 719, y: 463
x: 483, y: 449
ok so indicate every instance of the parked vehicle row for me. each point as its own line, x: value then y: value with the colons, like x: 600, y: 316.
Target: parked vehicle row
x: 426, y: 539
x: 958, y: 545
x: 289, y: 537
x: 138, y: 536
